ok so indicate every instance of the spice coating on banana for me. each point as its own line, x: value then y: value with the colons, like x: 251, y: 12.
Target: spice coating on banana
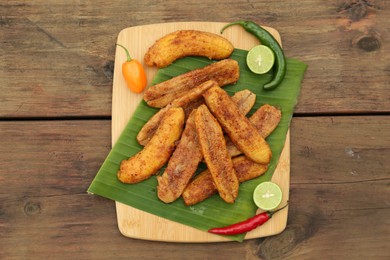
x: 202, y: 186
x: 240, y: 130
x: 224, y: 72
x: 157, y: 152
x: 184, y: 43
x: 213, y: 147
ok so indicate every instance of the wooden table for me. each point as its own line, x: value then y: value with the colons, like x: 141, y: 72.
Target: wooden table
x: 55, y: 117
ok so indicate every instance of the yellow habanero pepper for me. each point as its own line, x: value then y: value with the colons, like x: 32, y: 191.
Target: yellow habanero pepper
x: 134, y: 73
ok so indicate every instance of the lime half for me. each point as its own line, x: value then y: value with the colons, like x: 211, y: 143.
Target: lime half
x: 267, y: 196
x: 260, y: 59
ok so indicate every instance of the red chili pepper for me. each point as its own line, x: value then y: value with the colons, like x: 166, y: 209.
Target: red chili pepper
x: 134, y: 73
x: 246, y: 225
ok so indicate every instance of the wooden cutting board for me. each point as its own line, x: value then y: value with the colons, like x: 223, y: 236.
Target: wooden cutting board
x: 138, y: 224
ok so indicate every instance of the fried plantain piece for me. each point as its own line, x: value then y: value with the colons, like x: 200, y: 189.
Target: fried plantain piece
x: 182, y: 164
x: 150, y: 127
x: 203, y: 187
x: 246, y: 169
x: 244, y: 99
x: 213, y: 147
x: 265, y: 120
x: 194, y: 93
x: 186, y: 157
x: 184, y: 43
x: 157, y: 152
x: 223, y: 72
x: 147, y: 131
x: 242, y: 133
x: 193, y: 105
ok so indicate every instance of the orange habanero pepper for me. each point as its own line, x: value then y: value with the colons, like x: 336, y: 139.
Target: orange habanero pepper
x: 134, y: 73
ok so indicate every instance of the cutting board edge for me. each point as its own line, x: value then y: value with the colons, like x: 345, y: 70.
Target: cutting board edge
x: 124, y: 229
x: 282, y: 178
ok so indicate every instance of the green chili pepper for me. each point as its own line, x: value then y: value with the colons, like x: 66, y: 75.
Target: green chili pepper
x: 266, y: 39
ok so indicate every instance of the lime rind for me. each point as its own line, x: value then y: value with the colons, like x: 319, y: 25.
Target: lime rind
x: 267, y: 196
x: 260, y: 59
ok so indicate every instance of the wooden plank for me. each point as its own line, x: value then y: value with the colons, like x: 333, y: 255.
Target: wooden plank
x: 53, y: 157
x: 332, y: 222
x: 136, y: 223
x: 81, y: 226
x: 361, y: 145
x: 45, y: 211
x: 343, y: 42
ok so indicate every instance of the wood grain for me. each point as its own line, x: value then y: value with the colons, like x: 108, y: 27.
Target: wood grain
x: 135, y: 223
x: 343, y: 42
x: 57, y: 62
x: 336, y: 197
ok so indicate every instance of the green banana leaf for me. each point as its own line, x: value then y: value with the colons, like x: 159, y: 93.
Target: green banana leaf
x: 213, y: 212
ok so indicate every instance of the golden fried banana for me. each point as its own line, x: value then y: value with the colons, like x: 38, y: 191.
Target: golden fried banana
x: 213, y: 147
x: 188, y: 108
x: 182, y: 164
x: 265, y: 120
x: 203, y: 187
x: 242, y: 133
x: 150, y: 127
x: 157, y: 152
x: 194, y: 93
x: 246, y: 169
x: 200, y: 188
x: 244, y: 99
x: 223, y: 72
x: 190, y: 96
x: 184, y: 43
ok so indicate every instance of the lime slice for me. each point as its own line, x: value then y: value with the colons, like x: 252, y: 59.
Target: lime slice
x: 260, y: 59
x: 267, y: 196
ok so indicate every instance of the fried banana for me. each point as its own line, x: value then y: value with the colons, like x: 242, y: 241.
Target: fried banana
x: 147, y: 131
x: 246, y: 169
x: 203, y: 187
x: 200, y: 188
x: 182, y: 164
x: 194, y: 93
x: 242, y: 133
x: 157, y: 152
x: 265, y: 120
x: 188, y: 108
x: 150, y: 127
x: 186, y: 157
x: 184, y: 43
x: 223, y: 72
x: 213, y: 147
x: 244, y: 99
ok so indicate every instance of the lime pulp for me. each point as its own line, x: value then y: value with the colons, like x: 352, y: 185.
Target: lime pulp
x: 267, y: 196
x: 260, y: 59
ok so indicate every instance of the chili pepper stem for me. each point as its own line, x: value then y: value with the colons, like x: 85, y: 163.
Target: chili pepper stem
x: 230, y: 24
x: 127, y: 52
x: 273, y: 212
